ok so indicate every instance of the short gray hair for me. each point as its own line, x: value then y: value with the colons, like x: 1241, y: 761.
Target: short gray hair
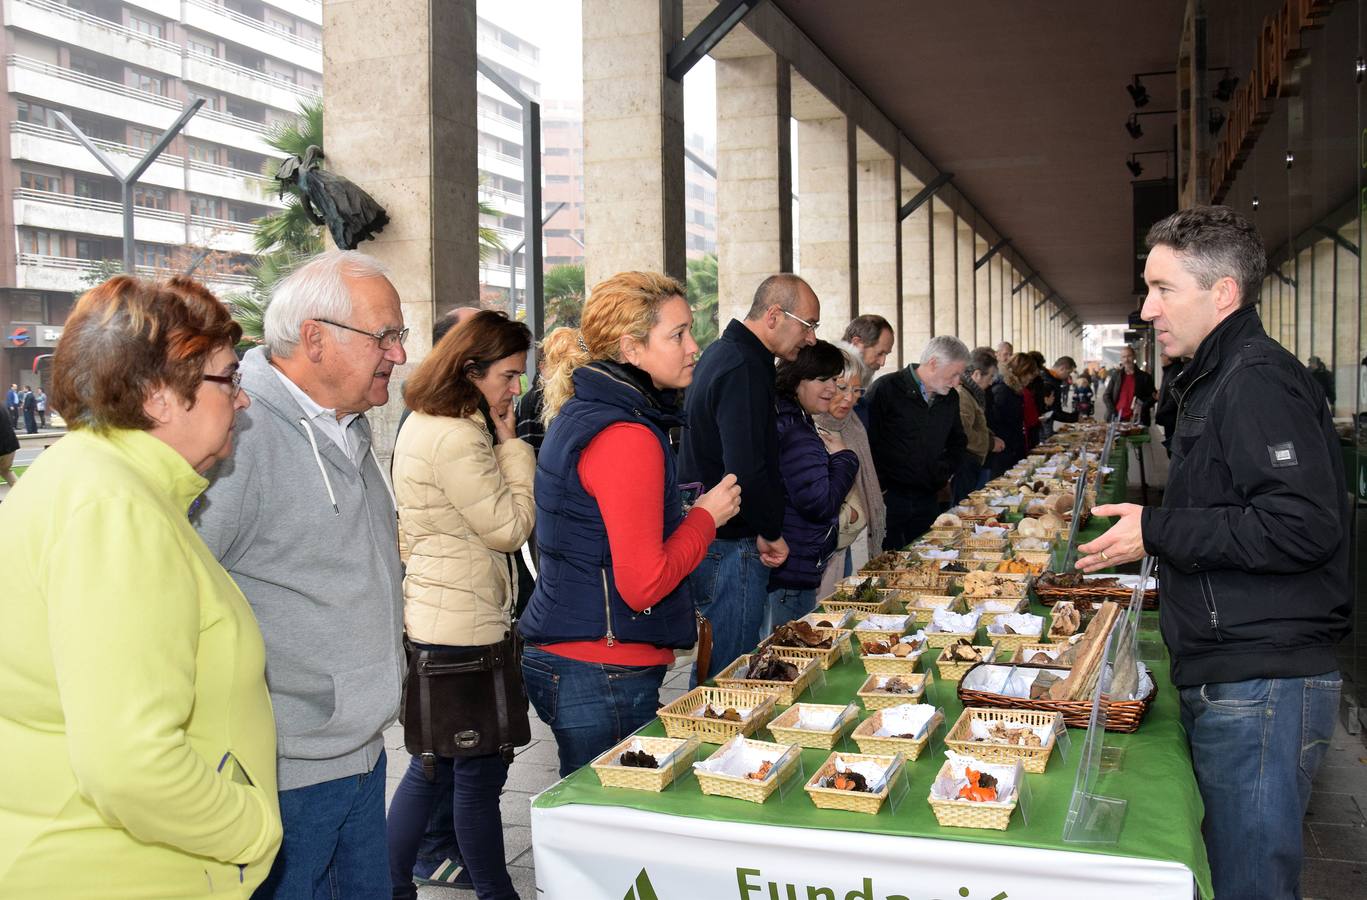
x: 315, y: 290
x: 1214, y: 242
x: 945, y: 348
x: 854, y: 362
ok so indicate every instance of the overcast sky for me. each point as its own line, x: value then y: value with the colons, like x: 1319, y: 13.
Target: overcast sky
x: 555, y: 26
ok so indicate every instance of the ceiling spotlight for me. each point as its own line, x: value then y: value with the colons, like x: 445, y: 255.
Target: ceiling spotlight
x: 1215, y: 120
x: 1138, y: 93
x: 1135, y: 168
x: 1255, y: 202
x: 1224, y: 90
x: 1359, y: 68
x: 1290, y: 159
x: 1134, y: 128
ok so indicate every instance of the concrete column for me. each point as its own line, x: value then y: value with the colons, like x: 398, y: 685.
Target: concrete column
x: 1305, y: 303
x: 964, y: 268
x: 945, y: 247
x: 1324, y: 263
x: 1347, y: 310
x: 876, y: 187
x: 399, y: 76
x: 754, y: 178
x: 917, y: 299
x: 633, y: 139
x: 826, y: 222
x: 982, y: 293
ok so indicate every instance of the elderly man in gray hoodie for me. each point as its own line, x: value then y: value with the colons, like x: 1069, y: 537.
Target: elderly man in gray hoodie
x: 304, y: 520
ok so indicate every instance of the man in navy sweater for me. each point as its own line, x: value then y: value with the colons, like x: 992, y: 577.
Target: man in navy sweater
x: 732, y: 428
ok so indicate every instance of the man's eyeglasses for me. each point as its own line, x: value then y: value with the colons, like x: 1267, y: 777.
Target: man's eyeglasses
x: 810, y: 326
x: 233, y: 381
x: 388, y: 338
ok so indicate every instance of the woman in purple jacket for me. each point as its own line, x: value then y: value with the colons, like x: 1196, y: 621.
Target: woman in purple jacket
x: 817, y: 472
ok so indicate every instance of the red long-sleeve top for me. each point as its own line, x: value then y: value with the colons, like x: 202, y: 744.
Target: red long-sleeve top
x: 623, y: 469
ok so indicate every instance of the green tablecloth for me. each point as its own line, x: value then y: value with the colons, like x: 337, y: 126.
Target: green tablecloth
x: 1162, y: 819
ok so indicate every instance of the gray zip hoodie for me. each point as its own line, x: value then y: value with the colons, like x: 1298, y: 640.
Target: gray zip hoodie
x: 312, y: 542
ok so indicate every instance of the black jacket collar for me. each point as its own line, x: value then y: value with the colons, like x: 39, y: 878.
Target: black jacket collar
x: 1240, y: 326
x: 748, y: 344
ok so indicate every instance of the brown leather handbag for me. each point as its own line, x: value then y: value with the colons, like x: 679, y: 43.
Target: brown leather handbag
x: 704, y: 657
x: 464, y: 701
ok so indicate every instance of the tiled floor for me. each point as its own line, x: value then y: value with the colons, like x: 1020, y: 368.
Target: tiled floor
x: 1335, y: 827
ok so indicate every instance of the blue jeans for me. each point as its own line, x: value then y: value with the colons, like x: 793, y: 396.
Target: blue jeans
x: 439, y: 843
x: 785, y: 604
x: 1255, y: 746
x: 588, y: 706
x: 731, y: 589
x: 473, y: 786
x: 334, y: 846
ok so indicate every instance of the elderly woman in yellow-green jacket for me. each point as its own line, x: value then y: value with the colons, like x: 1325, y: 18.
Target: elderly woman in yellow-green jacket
x: 139, y: 745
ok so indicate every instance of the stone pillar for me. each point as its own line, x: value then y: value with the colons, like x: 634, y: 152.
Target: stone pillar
x: 876, y: 184
x: 633, y: 139
x: 399, y: 77
x: 918, y: 307
x: 754, y: 178
x: 1305, y: 303
x: 982, y: 292
x: 826, y: 218
x: 945, y: 247
x: 1323, y: 287
x: 967, y: 298
x: 1346, y: 305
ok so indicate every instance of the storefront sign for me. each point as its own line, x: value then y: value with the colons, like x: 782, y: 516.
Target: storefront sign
x: 611, y: 852
x: 1279, y: 53
x: 19, y: 336
x: 27, y: 334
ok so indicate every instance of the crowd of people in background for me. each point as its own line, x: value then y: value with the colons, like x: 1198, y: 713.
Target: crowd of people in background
x: 312, y: 590
x: 28, y: 404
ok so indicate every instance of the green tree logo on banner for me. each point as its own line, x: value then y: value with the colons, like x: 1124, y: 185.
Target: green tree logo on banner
x: 642, y: 889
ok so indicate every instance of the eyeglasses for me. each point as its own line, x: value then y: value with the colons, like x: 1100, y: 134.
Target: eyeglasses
x: 810, y: 326
x: 388, y: 338
x: 855, y: 392
x: 233, y: 381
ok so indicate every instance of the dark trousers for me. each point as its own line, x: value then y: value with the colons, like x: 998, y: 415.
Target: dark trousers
x: 909, y: 515
x: 472, y: 788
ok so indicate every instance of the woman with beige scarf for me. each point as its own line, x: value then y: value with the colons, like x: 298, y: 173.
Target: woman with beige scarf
x: 863, y: 511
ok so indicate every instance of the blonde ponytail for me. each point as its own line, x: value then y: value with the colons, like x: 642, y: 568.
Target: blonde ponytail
x: 627, y: 304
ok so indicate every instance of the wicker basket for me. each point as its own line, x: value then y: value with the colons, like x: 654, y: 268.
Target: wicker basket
x: 945, y: 638
x: 938, y: 535
x: 853, y: 801
x: 953, y: 671
x: 785, y: 691
x: 889, y: 561
x: 1009, y: 585
x: 784, y: 727
x: 863, y: 631
x: 1034, y: 557
x: 1006, y: 644
x: 893, y: 665
x: 992, y: 556
x: 612, y: 774
x: 872, y: 698
x: 921, y: 581
x: 987, y: 617
x: 1122, y: 716
x: 871, y: 743
x: 753, y: 790
x: 843, y: 619
x: 1034, y: 759
x: 1024, y: 651
x: 1083, y: 597
x: 888, y: 601
x: 827, y: 657
x: 922, y: 606
x: 971, y: 813
x: 679, y: 721
x: 990, y: 542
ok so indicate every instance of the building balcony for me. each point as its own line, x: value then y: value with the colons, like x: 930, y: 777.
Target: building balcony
x: 495, y: 52
x: 167, y: 9
x: 57, y: 22
x: 240, y: 81
x: 56, y: 147
x: 496, y: 163
x: 500, y: 126
x: 506, y: 203
x: 81, y: 215
x: 231, y: 26
x: 308, y: 10
x: 65, y: 273
x: 65, y: 87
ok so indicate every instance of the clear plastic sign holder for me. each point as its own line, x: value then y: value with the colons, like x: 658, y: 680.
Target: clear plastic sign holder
x: 797, y: 778
x: 901, y: 783
x: 1024, y: 799
x: 1094, y: 818
x: 1080, y: 495
x: 935, y: 746
x: 1063, y: 744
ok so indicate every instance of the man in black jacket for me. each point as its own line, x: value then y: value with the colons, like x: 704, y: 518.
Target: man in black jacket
x: 732, y: 428
x: 1253, y: 541
x: 917, y: 437
x: 1165, y: 415
x: 1130, y: 384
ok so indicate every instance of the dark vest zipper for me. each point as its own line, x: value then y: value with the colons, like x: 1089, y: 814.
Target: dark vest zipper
x: 607, y: 608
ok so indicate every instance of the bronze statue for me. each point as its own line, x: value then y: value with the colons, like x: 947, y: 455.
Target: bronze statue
x: 329, y: 199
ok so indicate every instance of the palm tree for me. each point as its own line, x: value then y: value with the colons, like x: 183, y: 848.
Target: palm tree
x: 702, y: 288
x: 290, y: 229
x: 563, y: 290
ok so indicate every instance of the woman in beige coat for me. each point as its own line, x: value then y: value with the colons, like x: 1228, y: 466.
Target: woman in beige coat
x: 463, y: 481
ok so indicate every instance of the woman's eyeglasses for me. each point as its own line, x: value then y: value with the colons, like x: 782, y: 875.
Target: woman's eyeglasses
x: 233, y: 381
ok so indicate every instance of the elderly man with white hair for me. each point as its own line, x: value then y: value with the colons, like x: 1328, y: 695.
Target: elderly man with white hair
x: 304, y: 520
x: 917, y: 437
